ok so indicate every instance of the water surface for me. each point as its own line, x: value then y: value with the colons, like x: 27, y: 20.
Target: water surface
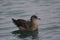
x: 47, y: 10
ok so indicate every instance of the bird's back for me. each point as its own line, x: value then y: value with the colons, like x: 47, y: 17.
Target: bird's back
x: 21, y: 23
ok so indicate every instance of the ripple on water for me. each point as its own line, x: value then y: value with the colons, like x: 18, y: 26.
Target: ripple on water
x: 48, y: 10
x: 50, y: 33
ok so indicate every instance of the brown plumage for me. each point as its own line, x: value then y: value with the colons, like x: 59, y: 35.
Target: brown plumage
x: 25, y: 24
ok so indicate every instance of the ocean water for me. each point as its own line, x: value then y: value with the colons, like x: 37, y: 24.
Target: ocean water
x: 47, y: 10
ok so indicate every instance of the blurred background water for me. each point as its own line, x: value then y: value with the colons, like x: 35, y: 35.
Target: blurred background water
x: 47, y: 10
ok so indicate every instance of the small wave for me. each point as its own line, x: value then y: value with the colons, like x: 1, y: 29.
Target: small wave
x: 51, y: 28
x: 7, y: 28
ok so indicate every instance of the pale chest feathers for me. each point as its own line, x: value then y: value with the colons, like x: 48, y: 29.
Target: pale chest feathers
x: 34, y: 26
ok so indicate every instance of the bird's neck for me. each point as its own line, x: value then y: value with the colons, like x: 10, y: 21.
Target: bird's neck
x: 34, y: 25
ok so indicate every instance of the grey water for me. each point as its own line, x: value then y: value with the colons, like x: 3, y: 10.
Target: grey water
x: 47, y: 10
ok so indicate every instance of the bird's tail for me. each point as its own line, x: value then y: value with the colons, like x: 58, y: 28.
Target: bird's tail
x: 15, y: 21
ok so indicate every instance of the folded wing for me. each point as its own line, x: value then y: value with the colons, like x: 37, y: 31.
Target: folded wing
x: 20, y: 23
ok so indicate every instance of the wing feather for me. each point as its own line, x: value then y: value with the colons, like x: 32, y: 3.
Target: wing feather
x: 20, y: 22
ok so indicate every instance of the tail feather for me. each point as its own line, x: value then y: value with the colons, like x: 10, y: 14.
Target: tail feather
x: 15, y: 22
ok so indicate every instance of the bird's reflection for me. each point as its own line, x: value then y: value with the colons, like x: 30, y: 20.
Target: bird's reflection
x: 24, y: 34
